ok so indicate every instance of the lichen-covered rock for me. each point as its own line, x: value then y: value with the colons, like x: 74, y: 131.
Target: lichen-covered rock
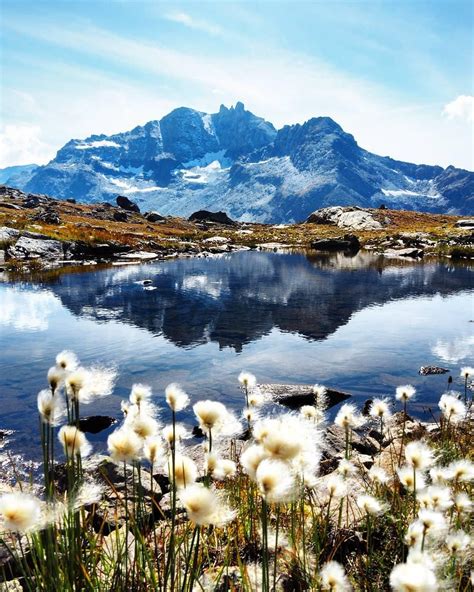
x: 346, y: 217
x: 37, y: 248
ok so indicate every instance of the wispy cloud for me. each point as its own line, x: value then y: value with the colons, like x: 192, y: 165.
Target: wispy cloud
x: 183, y: 18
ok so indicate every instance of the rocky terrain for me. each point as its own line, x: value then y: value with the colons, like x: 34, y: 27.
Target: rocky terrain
x: 237, y: 162
x: 36, y: 230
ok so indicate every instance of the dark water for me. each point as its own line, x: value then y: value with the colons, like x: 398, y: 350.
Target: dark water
x: 360, y: 324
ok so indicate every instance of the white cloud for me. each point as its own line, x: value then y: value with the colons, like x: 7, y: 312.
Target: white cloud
x: 461, y: 108
x: 455, y: 351
x: 27, y: 311
x: 183, y: 18
x: 22, y: 144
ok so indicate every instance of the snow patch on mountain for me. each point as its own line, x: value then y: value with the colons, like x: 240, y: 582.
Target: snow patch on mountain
x: 97, y: 144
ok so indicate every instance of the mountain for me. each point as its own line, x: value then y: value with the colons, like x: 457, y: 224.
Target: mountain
x: 235, y: 161
x: 13, y: 175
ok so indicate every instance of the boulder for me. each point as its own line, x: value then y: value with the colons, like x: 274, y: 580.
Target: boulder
x: 349, y: 243
x: 154, y: 217
x: 37, y: 248
x: 216, y: 217
x: 411, y: 252
x: 94, y: 424
x: 127, y: 204
x: 82, y: 250
x: 429, y: 370
x: 48, y: 216
x: 8, y: 234
x: 345, y: 217
x: 297, y: 395
x: 465, y: 223
x: 120, y: 216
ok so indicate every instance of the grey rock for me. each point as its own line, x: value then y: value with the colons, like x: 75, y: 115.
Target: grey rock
x: 348, y: 243
x: 297, y: 395
x: 127, y: 204
x: 429, y: 370
x: 47, y: 216
x: 120, y: 216
x: 154, y: 217
x: 33, y: 248
x: 411, y: 252
x: 346, y: 217
x: 11, y: 206
x: 465, y: 223
x: 8, y: 234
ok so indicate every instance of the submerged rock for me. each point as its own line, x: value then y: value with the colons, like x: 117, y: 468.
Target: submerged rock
x: 297, y: 395
x: 96, y: 423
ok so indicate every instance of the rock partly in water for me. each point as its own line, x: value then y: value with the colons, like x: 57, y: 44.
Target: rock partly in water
x: 429, y: 370
x: 216, y: 217
x: 346, y: 217
x: 411, y: 252
x: 94, y: 424
x: 348, y: 243
x: 297, y: 395
x: 37, y: 248
x: 127, y: 204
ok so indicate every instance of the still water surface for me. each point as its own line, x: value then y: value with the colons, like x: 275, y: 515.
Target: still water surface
x: 360, y: 324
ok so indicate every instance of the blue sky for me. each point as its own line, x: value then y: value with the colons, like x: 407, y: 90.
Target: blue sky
x: 398, y: 75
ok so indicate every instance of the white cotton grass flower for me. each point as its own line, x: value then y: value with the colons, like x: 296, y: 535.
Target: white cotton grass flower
x: 335, y: 486
x: 419, y: 455
x: 143, y: 425
x: 346, y: 468
x: 405, y: 393
x: 247, y: 380
x: 321, y: 399
x: 275, y: 482
x: 176, y: 397
x: 434, y: 523
x: 458, y: 542
x: 86, y: 384
x: 461, y: 470
x: 466, y: 372
x: 154, y: 449
x: 438, y: 475
x: 334, y: 578
x: 51, y: 407
x: 411, y: 479
x: 20, y: 512
x: 185, y: 471
x: 224, y: 469
x: 452, y: 408
x: 414, y: 534
x: 348, y: 417
x: 55, y: 378
x: 255, y: 398
x: 436, y: 498
x: 380, y: 409
x: 369, y: 505
x: 210, y: 414
x: 205, y: 506
x: 140, y: 393
x: 413, y: 577
x: 124, y: 445
x: 90, y: 492
x: 250, y: 459
x: 250, y: 414
x: 67, y: 361
x: 74, y: 442
x: 462, y: 503
x: 309, y: 412
x: 378, y: 475
x: 177, y: 434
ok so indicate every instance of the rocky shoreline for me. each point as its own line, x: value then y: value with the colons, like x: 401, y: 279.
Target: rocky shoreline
x: 37, y: 232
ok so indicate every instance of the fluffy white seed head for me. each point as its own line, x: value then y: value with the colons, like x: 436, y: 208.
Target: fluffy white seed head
x: 74, y: 442
x: 178, y: 434
x: 434, y: 523
x: 452, y: 408
x: 247, y: 380
x: 176, y: 397
x: 321, y: 399
x: 55, y: 378
x: 154, y: 449
x: 378, y: 475
x: 349, y: 417
x: 140, y: 393
x: 466, y: 372
x: 369, y: 505
x: 275, y: 481
x: 436, y: 498
x: 414, y: 534
x: 418, y: 455
x: 51, y: 407
x: 346, y: 468
x: 210, y: 414
x: 250, y: 414
x: 333, y: 578
x: 462, y: 503
x: 143, y: 425
x: 251, y: 457
x: 185, y: 471
x: 458, y: 542
x: 67, y: 361
x: 124, y: 445
x: 411, y: 479
x: 335, y: 486
x: 413, y: 577
x: 405, y: 393
x: 462, y: 470
x: 309, y: 412
x: 255, y: 398
x: 380, y: 409
x: 86, y: 384
x: 224, y: 469
x: 19, y: 512
x: 205, y: 506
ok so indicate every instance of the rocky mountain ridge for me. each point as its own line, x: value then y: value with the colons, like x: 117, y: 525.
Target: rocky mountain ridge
x: 235, y: 161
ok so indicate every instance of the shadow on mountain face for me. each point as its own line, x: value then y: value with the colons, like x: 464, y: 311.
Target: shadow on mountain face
x: 236, y: 299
